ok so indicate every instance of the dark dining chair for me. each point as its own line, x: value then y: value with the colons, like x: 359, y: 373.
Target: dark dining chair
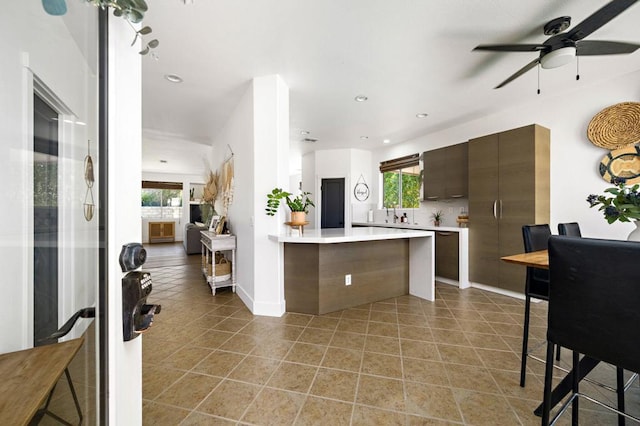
x: 571, y: 229
x: 593, y: 310
x: 537, y: 284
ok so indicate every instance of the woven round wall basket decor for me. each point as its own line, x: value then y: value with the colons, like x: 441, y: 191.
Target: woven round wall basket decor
x: 616, y: 126
x: 622, y: 163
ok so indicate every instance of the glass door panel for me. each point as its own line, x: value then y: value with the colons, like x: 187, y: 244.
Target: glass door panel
x: 49, y: 236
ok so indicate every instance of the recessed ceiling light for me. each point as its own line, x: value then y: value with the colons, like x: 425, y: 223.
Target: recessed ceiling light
x: 364, y: 138
x: 422, y: 115
x: 304, y: 132
x: 163, y: 161
x: 173, y: 78
x: 361, y: 98
x: 386, y: 141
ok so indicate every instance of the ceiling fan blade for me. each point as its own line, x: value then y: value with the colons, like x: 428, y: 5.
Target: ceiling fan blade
x: 521, y: 71
x: 595, y: 47
x: 511, y: 47
x: 599, y: 18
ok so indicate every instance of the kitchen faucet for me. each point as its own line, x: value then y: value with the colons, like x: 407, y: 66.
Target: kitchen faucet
x: 395, y: 216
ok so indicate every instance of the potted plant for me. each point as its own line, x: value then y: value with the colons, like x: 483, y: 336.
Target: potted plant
x: 437, y: 217
x: 299, y: 205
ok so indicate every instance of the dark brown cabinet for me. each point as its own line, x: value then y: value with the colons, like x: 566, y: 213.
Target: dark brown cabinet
x: 447, y: 246
x: 446, y: 172
x: 508, y: 188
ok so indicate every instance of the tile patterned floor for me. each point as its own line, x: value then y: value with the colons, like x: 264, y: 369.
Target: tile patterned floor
x: 402, y: 361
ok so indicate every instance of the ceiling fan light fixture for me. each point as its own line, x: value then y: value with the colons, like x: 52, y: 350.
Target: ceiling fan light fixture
x: 558, y: 57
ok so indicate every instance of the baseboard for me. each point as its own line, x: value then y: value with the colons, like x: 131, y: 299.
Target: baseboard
x: 260, y: 308
x: 447, y: 281
x: 499, y: 290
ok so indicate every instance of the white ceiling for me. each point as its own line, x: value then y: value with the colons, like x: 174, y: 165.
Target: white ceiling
x: 407, y: 56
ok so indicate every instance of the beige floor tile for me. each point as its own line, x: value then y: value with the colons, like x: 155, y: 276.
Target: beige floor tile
x: 272, y: 348
x: 327, y: 323
x: 219, y: 363
x: 316, y: 336
x: 293, y: 377
x: 342, y: 359
x: 382, y: 329
x: 322, y: 412
x: 417, y: 349
x: 416, y: 333
x: 254, y: 370
x: 459, y: 355
x: 431, y: 401
x: 274, y: 407
x: 367, y: 416
x: 229, y: 399
x: 423, y: 371
x: 352, y: 325
x: 335, y: 384
x: 189, y: 391
x: 201, y: 419
x: 381, y: 392
x: 381, y: 344
x: 382, y: 365
x: 348, y: 340
x: 185, y: 358
x: 306, y: 353
x: 484, y: 409
x: 471, y: 378
x: 400, y: 361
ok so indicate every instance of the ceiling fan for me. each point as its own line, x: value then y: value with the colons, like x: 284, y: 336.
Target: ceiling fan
x: 562, y: 47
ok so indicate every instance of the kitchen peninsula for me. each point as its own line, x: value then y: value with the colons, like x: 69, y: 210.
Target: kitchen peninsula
x: 326, y: 270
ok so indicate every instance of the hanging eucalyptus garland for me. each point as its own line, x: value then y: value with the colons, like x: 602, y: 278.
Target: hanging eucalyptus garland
x: 131, y: 10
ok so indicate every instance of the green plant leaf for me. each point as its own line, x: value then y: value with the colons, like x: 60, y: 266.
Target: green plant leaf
x: 153, y: 43
x: 145, y: 30
x: 144, y: 51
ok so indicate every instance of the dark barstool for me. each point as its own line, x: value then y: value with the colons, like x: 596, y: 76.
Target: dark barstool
x: 571, y: 229
x: 593, y: 310
x: 537, y: 285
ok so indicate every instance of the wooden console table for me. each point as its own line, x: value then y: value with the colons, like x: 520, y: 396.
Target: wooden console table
x: 210, y: 244
x: 28, y: 376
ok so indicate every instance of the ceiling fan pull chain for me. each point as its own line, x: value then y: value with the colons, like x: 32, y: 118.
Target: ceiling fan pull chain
x: 538, y: 78
x: 577, y: 67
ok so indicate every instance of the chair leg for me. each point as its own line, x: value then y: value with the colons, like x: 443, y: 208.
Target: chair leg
x: 525, y: 341
x: 558, y: 353
x: 548, y: 378
x: 575, y: 407
x: 620, y: 392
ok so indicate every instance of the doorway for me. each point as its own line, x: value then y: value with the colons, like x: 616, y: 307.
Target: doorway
x: 45, y: 220
x: 332, y: 207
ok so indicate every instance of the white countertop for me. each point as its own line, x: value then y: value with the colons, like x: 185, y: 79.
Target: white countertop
x: 410, y: 226
x: 342, y: 235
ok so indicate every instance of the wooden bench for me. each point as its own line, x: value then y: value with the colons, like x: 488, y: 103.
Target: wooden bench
x: 29, y: 376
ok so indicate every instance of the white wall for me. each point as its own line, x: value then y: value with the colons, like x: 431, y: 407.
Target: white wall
x: 257, y: 132
x: 574, y: 159
x: 37, y: 46
x: 125, y: 107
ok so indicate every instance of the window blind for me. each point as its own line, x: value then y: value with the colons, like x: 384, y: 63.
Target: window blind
x: 400, y: 163
x: 149, y: 184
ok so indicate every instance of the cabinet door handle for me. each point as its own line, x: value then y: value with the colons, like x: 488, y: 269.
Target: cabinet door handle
x: 433, y: 197
x: 500, y: 209
x: 457, y: 196
x: 495, y: 209
x: 445, y: 234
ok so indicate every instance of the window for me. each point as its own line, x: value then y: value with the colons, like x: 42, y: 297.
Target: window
x: 161, y: 200
x: 401, y: 182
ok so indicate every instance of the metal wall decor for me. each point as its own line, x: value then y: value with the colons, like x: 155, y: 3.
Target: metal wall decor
x: 89, y: 179
x: 361, y: 190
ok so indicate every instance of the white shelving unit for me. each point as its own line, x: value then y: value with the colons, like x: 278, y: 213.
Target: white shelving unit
x: 210, y: 244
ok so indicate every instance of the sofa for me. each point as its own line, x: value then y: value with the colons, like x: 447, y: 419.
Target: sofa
x: 191, y: 240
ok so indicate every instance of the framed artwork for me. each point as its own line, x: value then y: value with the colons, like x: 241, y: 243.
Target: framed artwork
x: 220, y: 225
x: 361, y: 190
x: 214, y: 223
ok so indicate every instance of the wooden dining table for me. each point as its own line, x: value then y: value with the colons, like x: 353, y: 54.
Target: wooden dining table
x: 540, y: 259
x: 535, y: 259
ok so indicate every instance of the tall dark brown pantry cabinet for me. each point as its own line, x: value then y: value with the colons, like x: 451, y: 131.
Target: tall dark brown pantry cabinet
x: 508, y: 188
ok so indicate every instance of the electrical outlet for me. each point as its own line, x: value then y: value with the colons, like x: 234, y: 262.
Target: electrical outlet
x: 347, y: 279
